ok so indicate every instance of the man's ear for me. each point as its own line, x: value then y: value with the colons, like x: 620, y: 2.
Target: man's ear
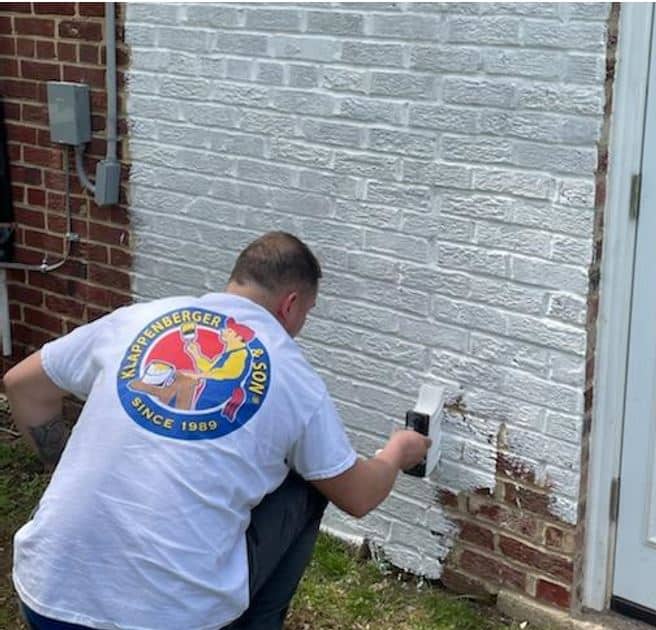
x: 286, y: 303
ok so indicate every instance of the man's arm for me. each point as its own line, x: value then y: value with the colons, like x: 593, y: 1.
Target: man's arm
x: 360, y: 489
x: 36, y: 407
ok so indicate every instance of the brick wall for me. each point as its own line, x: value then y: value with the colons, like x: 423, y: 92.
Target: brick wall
x: 443, y: 161
x: 58, y: 41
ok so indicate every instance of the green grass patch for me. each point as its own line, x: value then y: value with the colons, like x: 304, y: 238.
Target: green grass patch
x: 338, y: 591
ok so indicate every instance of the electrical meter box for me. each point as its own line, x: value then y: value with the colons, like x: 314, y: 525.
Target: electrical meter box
x: 69, y: 113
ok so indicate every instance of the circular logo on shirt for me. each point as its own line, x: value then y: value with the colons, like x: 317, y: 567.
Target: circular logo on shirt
x: 193, y: 374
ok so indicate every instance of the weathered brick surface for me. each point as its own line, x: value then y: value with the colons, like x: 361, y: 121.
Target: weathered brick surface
x: 41, y: 42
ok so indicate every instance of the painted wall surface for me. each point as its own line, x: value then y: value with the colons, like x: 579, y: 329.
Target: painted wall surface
x: 440, y: 159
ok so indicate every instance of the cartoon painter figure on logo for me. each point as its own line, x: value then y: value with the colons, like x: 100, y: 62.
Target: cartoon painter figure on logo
x: 219, y: 365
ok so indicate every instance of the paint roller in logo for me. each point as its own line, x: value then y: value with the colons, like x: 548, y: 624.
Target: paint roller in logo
x: 425, y: 418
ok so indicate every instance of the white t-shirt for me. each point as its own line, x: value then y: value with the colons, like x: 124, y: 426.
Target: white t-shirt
x: 196, y: 409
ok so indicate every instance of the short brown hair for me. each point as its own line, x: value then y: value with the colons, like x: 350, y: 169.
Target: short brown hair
x: 277, y: 260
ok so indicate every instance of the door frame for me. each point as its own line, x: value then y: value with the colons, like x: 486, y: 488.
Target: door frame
x: 625, y: 156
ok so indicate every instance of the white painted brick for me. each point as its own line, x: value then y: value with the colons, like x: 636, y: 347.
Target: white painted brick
x: 437, y: 174
x: 499, y: 408
x: 472, y: 149
x: 488, y: 30
x: 498, y: 93
x: 238, y: 94
x: 335, y: 22
x: 466, y: 369
x: 565, y: 482
x: 372, y: 54
x: 300, y: 153
x: 209, y: 15
x: 267, y: 123
x: 508, y: 295
x: 158, y: 108
x: 329, y: 184
x: 401, y: 246
x: 552, y: 275
x: 567, y: 249
x: 479, y: 206
x: 210, y: 115
x: 265, y: 172
x: 303, y: 76
x: 586, y: 69
x: 332, y: 133
x: 141, y: 35
x: 510, y: 352
x: 368, y: 215
x: 410, y: 27
x: 168, y: 14
x: 370, y: 110
x: 586, y: 10
x: 442, y: 281
x: 567, y: 369
x: 432, y: 334
x: 301, y: 202
x: 563, y: 427
x: 571, y: 160
x: 555, y: 97
x: 306, y: 48
x: 537, y: 390
x: 553, y: 34
x: 440, y: 117
x: 525, y: 184
x: 344, y: 80
x: 365, y: 315
x: 239, y: 192
x: 301, y: 102
x: 402, y: 84
x: 567, y: 307
x: 445, y: 59
x: 548, y: 333
x: 402, y: 143
x: 534, y: 9
x: 374, y: 266
x: 475, y: 316
x: 238, y: 43
x: 367, y: 165
x: 524, y: 63
x: 531, y: 125
x: 577, y: 192
x: 555, y: 218
x: 264, y: 19
x: 473, y: 259
x: 416, y: 198
x: 183, y: 88
x: 272, y: 73
x: 514, y: 238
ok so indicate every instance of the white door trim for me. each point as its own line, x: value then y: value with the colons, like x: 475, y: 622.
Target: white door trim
x: 625, y: 153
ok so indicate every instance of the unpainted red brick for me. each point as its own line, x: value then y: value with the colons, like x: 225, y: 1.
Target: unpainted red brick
x: 65, y: 306
x: 49, y: 158
x: 66, y: 51
x: 109, y: 277
x: 41, y: 319
x: 21, y: 133
x: 83, y: 30
x: 34, y: 26
x: 19, y: 89
x: 25, y: 47
x: 7, y: 45
x: 25, y: 175
x: 45, y: 50
x: 92, y: 9
x: 553, y: 594
x: 16, y: 7
x: 54, y: 8
x: 40, y: 71
x: 492, y: 569
x: 536, y: 558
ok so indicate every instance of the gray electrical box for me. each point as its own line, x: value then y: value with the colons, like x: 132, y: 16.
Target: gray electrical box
x: 69, y: 113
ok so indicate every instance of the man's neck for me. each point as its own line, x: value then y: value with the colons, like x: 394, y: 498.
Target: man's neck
x: 253, y: 293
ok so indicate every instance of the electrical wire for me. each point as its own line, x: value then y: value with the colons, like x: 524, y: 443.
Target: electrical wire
x: 70, y: 236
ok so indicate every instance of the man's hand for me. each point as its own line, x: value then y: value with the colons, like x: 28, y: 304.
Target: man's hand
x: 360, y: 489
x: 406, y: 449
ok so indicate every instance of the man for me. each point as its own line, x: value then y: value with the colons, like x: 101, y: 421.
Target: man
x: 173, y: 506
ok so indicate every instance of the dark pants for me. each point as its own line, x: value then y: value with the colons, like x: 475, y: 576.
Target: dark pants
x: 280, y: 540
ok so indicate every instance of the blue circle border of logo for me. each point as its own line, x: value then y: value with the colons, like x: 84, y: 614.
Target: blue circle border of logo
x: 189, y: 425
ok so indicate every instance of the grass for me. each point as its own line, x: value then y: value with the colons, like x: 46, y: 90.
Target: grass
x: 338, y: 591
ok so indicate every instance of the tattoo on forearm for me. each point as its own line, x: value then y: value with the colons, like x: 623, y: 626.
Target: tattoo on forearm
x: 50, y: 440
